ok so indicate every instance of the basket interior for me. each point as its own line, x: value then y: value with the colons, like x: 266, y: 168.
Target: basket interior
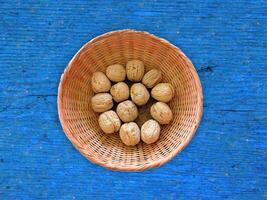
x: 80, y: 123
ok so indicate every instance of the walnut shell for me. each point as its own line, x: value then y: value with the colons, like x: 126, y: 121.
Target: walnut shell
x: 163, y: 92
x: 151, y: 78
x: 150, y: 131
x: 161, y: 112
x: 135, y: 70
x: 139, y: 94
x: 120, y: 92
x: 100, y: 82
x: 116, y: 73
x: 127, y: 111
x: 101, y: 102
x: 130, y: 134
x: 109, y: 122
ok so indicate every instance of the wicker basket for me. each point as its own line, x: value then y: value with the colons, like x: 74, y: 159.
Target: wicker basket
x: 80, y: 123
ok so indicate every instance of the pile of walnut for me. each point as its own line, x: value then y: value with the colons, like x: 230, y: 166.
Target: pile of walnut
x: 127, y: 111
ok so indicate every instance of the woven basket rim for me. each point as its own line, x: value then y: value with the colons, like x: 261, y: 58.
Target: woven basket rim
x: 90, y: 156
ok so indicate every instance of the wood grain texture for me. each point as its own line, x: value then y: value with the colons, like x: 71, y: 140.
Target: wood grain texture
x: 225, y: 40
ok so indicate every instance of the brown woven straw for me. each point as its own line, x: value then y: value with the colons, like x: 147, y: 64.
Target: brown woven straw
x: 80, y: 123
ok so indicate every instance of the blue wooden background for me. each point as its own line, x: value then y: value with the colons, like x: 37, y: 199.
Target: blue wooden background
x: 226, y: 41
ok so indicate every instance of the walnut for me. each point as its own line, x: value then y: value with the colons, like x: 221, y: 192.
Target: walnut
x: 116, y: 73
x: 135, y: 70
x: 163, y: 92
x: 130, y: 134
x: 100, y: 82
x: 139, y: 94
x: 151, y: 78
x: 101, y: 102
x: 127, y: 111
x: 150, y: 131
x: 161, y: 112
x: 120, y: 92
x: 109, y: 122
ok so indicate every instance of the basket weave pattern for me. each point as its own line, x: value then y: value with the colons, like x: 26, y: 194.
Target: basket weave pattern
x: 80, y: 123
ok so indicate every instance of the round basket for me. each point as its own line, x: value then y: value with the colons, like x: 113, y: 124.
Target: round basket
x: 80, y: 123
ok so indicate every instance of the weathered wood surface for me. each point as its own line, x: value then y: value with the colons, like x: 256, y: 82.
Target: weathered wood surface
x: 226, y: 41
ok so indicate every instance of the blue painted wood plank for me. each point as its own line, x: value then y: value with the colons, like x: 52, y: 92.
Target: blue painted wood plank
x: 227, y: 43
